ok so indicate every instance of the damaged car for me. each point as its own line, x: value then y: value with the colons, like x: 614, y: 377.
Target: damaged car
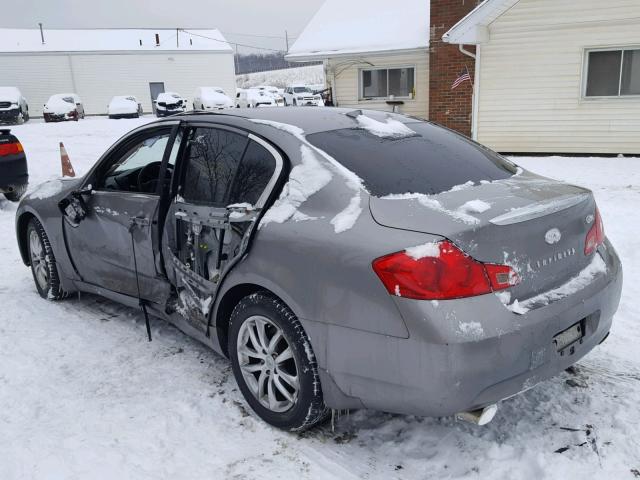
x: 341, y: 259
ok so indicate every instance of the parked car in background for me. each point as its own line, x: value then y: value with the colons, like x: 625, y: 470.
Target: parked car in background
x: 124, y: 106
x: 455, y: 278
x: 275, y: 92
x: 211, y: 98
x: 169, y: 103
x: 13, y: 106
x: 62, y: 107
x: 253, y: 98
x: 14, y: 175
x: 301, y: 95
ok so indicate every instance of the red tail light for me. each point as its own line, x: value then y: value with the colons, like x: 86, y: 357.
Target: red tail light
x: 452, y: 274
x: 595, y: 235
x: 10, y: 149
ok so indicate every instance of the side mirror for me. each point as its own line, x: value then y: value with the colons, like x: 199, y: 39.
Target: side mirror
x: 73, y: 207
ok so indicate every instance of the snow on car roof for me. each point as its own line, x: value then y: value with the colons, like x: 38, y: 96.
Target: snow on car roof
x: 29, y: 40
x: 362, y: 27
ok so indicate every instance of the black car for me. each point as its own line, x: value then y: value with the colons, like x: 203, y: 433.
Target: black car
x: 14, y: 175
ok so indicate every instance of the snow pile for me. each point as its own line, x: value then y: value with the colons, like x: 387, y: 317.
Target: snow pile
x: 429, y: 249
x: 305, y: 179
x: 575, y: 284
x: 389, y: 129
x: 59, y: 106
x: 474, y: 206
x: 346, y: 218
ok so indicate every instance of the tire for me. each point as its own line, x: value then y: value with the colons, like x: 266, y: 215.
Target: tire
x: 296, y: 372
x: 20, y: 118
x: 17, y: 194
x: 43, y: 262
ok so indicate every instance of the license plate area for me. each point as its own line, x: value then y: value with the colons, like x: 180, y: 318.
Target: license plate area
x: 565, y: 340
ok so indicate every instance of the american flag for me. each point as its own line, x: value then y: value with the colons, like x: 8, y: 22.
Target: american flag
x: 463, y: 77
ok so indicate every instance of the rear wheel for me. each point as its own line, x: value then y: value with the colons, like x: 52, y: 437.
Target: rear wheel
x: 43, y: 262
x: 20, y: 118
x: 274, y: 364
x: 17, y: 193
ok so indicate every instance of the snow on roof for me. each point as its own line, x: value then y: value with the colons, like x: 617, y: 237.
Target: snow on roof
x: 363, y: 26
x: 14, y: 40
x: 472, y: 29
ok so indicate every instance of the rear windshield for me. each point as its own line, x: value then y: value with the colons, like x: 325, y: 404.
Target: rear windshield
x: 433, y: 161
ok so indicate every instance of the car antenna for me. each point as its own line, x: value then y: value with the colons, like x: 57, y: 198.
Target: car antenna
x: 139, y: 221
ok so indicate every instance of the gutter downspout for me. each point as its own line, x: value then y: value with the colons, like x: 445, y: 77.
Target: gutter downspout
x: 476, y: 89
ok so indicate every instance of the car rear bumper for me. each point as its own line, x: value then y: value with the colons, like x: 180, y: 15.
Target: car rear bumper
x: 124, y: 115
x: 60, y: 117
x: 13, y: 172
x: 465, y: 354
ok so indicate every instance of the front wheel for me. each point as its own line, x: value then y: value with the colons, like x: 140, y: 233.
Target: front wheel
x: 43, y: 262
x: 274, y: 364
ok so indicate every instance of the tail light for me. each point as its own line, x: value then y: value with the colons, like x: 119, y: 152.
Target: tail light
x: 10, y: 149
x: 595, y: 235
x: 451, y: 274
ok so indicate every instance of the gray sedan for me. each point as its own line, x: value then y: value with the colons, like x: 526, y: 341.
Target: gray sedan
x: 341, y: 259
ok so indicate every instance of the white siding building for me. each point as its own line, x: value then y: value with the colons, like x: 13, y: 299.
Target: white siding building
x: 371, y: 51
x: 99, y: 64
x: 555, y: 75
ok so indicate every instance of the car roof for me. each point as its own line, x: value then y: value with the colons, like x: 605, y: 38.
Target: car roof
x: 309, y: 119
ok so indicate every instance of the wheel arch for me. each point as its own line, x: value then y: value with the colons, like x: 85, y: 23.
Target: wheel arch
x: 22, y: 224
x: 228, y: 301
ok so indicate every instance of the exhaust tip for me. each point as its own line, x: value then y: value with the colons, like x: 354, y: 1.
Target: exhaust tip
x: 482, y: 416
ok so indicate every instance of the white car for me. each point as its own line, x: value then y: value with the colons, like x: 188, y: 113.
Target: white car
x: 63, y: 106
x: 169, y: 103
x: 13, y: 106
x: 211, y: 98
x: 275, y: 92
x: 124, y: 106
x: 253, y: 98
x: 302, y: 95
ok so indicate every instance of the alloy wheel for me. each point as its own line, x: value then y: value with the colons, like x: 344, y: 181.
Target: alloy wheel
x: 39, y: 260
x: 267, y: 363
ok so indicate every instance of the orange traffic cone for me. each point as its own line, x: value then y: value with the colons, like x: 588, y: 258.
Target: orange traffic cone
x: 67, y: 168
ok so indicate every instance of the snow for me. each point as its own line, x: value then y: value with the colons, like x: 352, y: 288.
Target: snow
x: 584, y: 278
x: 346, y: 218
x: 475, y: 206
x: 84, y: 395
x: 57, y: 105
x: 360, y: 26
x: 122, y: 104
x: 9, y: 94
x: 16, y: 40
x: 305, y: 179
x: 307, y: 75
x: 389, y: 129
x: 46, y: 189
x: 471, y: 330
x: 429, y: 249
x: 459, y: 215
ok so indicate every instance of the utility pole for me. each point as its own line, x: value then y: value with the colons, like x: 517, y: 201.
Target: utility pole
x: 286, y: 40
x: 235, y: 57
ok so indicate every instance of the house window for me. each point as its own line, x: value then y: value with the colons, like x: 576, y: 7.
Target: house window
x: 613, y: 73
x: 382, y: 82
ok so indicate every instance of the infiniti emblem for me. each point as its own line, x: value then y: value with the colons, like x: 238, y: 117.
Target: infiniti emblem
x: 552, y: 236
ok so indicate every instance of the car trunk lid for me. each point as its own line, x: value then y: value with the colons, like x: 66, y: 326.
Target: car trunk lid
x: 536, y: 225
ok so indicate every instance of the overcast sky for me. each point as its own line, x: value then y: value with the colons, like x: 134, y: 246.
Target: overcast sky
x: 241, y: 21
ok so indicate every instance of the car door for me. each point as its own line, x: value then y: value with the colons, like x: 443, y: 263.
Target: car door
x: 121, y: 206
x: 224, y: 180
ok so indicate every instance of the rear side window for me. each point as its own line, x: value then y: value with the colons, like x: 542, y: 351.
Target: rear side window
x: 255, y: 171
x: 433, y: 161
x: 213, y: 159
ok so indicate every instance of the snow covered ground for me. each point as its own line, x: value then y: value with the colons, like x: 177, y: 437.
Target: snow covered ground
x: 307, y: 75
x: 83, y: 395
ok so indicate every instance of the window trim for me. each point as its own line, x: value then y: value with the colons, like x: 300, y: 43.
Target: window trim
x: 361, y: 71
x: 585, y: 72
